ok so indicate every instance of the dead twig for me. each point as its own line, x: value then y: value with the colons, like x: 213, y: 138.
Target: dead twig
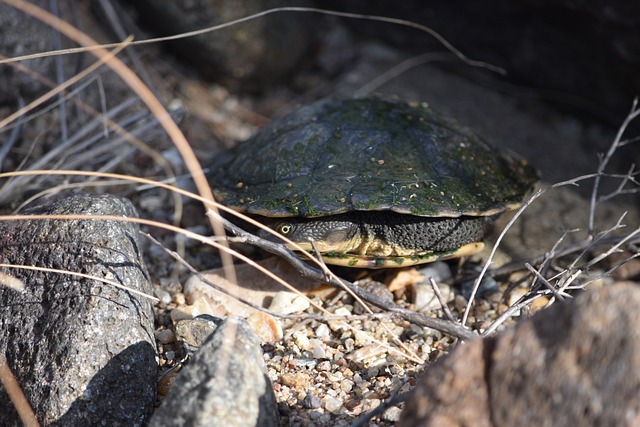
x: 604, y: 161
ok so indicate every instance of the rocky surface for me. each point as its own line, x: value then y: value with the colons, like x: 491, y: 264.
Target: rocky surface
x: 23, y: 36
x: 331, y: 370
x: 251, y: 56
x: 577, y: 363
x: 577, y: 54
x: 83, y: 351
x: 225, y: 384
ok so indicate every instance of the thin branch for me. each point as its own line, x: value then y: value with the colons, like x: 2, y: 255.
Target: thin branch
x: 605, y: 161
x: 544, y: 281
x: 13, y: 136
x: 443, y: 303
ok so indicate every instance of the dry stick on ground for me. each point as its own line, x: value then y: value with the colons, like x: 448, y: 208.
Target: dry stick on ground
x: 567, y: 276
x: 629, y: 177
x: 192, y: 270
x: 443, y: 303
x: 512, y: 221
x: 317, y: 274
x: 589, y: 242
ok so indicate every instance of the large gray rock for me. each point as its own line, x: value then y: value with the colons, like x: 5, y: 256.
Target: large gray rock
x: 20, y: 35
x: 83, y: 351
x: 250, y: 56
x: 574, y: 53
x: 226, y: 384
x: 575, y: 364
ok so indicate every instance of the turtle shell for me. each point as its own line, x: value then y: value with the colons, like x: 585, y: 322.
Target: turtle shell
x: 369, y: 154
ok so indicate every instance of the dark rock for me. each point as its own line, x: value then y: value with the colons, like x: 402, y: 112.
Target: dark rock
x: 250, y: 56
x: 575, y: 53
x: 225, y: 384
x: 21, y: 35
x: 488, y: 285
x: 574, y: 364
x: 83, y: 351
x: 311, y: 401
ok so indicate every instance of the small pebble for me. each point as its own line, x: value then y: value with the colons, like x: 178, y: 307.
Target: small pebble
x: 392, y: 414
x: 311, y: 401
x: 192, y: 333
x: 373, y: 372
x: 317, y: 349
x: 374, y: 403
x: 368, y: 355
x: 331, y: 404
x: 163, y: 295
x: 342, y: 311
x: 439, y: 270
x: 346, y: 385
x: 302, y: 340
x: 298, y: 379
x: 362, y: 338
x: 185, y: 312
x: 288, y: 303
x: 165, y: 336
x: 425, y: 300
x: 266, y: 327
x: 378, y: 289
x: 315, y: 415
x: 349, y: 344
x: 324, y: 366
x: 179, y: 299
x: 323, y: 332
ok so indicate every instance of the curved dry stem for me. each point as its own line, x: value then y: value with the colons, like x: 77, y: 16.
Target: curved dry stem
x: 396, y: 21
x: 82, y: 275
x: 512, y: 221
x: 604, y: 161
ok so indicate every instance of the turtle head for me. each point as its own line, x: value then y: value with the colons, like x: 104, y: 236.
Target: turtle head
x: 327, y: 233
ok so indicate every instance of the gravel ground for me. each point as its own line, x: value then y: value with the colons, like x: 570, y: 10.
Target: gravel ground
x: 323, y: 372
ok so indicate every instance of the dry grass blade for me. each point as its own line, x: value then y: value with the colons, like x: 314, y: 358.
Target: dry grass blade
x: 444, y: 42
x: 16, y: 395
x: 152, y: 102
x: 76, y: 274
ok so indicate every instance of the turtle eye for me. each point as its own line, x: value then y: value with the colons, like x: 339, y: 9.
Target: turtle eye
x: 285, y: 229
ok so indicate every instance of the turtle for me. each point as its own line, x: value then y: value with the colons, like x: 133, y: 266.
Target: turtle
x: 373, y: 182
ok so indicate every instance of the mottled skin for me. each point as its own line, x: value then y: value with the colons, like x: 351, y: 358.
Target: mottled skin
x: 384, y: 234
